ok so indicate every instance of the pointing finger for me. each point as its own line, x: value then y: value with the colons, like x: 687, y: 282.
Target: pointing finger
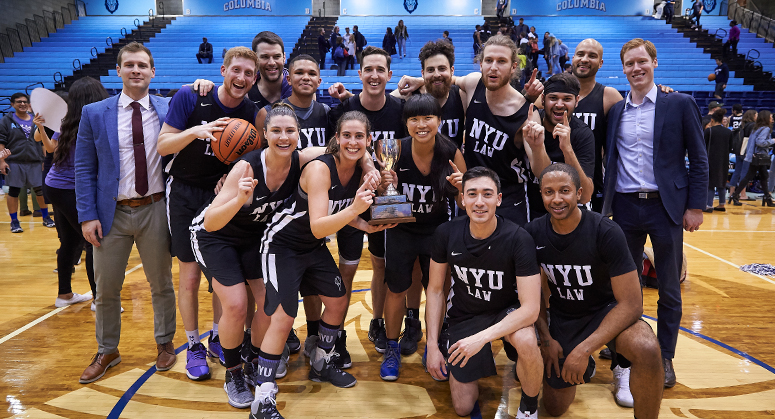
x: 533, y: 76
x: 454, y: 167
x: 565, y: 118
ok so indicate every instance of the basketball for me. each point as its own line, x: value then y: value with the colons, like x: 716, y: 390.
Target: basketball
x: 711, y: 76
x: 237, y: 138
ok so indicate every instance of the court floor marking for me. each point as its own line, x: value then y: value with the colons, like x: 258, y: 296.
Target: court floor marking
x: 727, y: 262
x: 53, y: 312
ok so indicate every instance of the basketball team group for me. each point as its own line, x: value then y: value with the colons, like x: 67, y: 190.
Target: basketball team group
x: 509, y: 234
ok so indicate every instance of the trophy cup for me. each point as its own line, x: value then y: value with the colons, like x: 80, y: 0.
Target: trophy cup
x: 390, y: 208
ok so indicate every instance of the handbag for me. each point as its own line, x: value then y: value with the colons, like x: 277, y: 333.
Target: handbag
x: 761, y: 158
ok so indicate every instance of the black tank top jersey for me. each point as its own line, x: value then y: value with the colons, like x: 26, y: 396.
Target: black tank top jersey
x: 313, y: 124
x: 591, y: 111
x: 290, y: 227
x: 385, y: 123
x: 256, y: 97
x: 490, y: 143
x: 484, y: 275
x: 417, y: 187
x: 580, y: 265
x: 251, y: 219
x: 196, y: 164
x: 453, y: 117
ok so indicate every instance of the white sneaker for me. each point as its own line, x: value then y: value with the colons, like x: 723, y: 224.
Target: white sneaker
x: 75, y: 299
x: 94, y: 307
x: 622, y: 393
x: 526, y: 415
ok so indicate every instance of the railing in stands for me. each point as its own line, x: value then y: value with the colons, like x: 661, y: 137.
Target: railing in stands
x: 94, y: 51
x: 161, y: 8
x: 59, y: 81
x: 27, y: 89
x: 755, y: 22
x: 720, y: 36
x: 150, y: 17
x: 109, y: 42
x: 78, y: 66
x: 5, y: 107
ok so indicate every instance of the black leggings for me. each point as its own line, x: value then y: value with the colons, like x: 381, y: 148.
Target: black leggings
x: 71, y: 241
x: 752, y: 171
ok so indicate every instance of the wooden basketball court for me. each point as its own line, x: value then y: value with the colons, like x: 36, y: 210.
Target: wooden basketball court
x: 724, y: 363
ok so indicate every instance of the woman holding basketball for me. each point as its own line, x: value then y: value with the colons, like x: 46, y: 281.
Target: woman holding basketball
x: 295, y: 258
x: 430, y: 171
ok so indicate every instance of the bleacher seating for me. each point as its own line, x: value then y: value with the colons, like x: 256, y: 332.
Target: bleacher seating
x: 39, y: 62
x: 174, y: 49
x: 748, y: 40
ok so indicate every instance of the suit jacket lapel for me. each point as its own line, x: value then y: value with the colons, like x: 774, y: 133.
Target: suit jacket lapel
x: 659, y: 121
x: 161, y: 106
x: 111, y: 124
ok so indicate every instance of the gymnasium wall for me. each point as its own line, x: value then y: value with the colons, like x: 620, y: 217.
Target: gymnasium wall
x: 18, y: 10
x: 584, y: 7
x: 411, y: 7
x: 204, y: 7
x: 119, y: 7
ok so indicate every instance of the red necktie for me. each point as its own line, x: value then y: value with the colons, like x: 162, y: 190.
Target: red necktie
x: 138, y: 145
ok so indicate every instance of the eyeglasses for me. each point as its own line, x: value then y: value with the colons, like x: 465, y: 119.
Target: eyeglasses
x: 22, y: 102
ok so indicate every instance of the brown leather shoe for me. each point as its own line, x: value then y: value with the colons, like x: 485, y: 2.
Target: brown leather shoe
x: 166, y: 358
x: 99, y: 365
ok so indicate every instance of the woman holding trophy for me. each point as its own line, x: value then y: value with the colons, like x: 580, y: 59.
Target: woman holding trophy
x: 428, y: 170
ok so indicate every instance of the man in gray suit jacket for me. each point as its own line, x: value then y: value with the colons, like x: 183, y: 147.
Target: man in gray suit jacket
x: 120, y: 199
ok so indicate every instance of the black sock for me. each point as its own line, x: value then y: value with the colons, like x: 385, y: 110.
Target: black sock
x: 622, y: 361
x: 528, y: 404
x: 253, y: 353
x: 413, y: 313
x: 312, y: 327
x: 232, y: 357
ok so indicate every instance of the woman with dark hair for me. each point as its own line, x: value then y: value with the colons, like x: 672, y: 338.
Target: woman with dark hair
x: 401, y: 36
x: 60, y: 188
x: 759, y: 144
x: 741, y: 166
x: 389, y: 42
x: 430, y: 171
x: 717, y: 140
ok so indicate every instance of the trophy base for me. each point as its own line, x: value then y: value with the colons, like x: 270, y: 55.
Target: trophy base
x: 382, y: 221
x: 391, y: 210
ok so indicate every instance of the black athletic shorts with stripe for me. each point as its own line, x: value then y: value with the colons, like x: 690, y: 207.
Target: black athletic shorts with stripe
x: 402, y: 248
x: 184, y: 202
x: 228, y: 260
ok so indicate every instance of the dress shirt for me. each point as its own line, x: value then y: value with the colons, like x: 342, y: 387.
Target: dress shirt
x: 635, y: 143
x: 126, y: 185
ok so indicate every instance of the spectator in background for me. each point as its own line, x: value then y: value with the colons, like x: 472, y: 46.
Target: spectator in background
x: 696, y: 13
x: 532, y: 33
x: 500, y: 9
x: 401, y: 35
x: 548, y: 51
x: 205, y: 51
x: 747, y: 125
x: 722, y: 77
x: 760, y: 142
x: 737, y: 115
x: 554, y: 53
x: 446, y: 37
x: 389, y: 42
x: 486, y: 33
x: 717, y: 140
x: 563, y: 55
x: 732, y: 40
x: 712, y: 106
x: 223, y: 53
x: 24, y: 165
x: 339, y: 56
x: 477, y: 41
x: 668, y: 11
x: 349, y: 44
x: 323, y: 47
x: 534, y: 51
x: 360, y: 43
x: 60, y: 186
x: 521, y: 28
x: 332, y: 42
x: 346, y: 33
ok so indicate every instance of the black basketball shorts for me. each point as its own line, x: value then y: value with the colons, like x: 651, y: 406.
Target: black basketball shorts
x: 288, y: 273
x: 402, y: 248
x: 482, y: 364
x: 184, y: 202
x: 228, y: 260
x: 350, y: 242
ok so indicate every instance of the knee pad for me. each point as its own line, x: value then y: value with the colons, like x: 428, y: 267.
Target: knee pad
x: 38, y: 190
x: 14, y: 192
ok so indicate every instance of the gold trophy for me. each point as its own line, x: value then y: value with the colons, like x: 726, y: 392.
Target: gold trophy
x: 390, y: 208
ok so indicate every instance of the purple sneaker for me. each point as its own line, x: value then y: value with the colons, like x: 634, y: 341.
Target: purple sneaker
x: 196, y: 363
x: 214, y: 349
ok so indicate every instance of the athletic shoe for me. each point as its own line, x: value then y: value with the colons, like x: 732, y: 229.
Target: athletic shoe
x: 250, y: 371
x: 622, y: 393
x: 75, y: 299
x: 237, y: 388
x: 245, y: 348
x: 309, y: 346
x: 48, y: 222
x: 15, y: 227
x: 282, y: 367
x: 214, y: 349
x: 293, y: 343
x: 343, y: 361
x: 265, y: 404
x: 411, y: 335
x: 391, y: 363
x: 605, y: 353
x: 196, y: 363
x: 37, y: 213
x: 94, y: 306
x: 377, y: 334
x: 526, y: 415
x: 324, y: 369
x: 425, y: 361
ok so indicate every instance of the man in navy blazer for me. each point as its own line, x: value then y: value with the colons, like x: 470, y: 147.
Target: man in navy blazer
x: 120, y: 199
x: 647, y: 185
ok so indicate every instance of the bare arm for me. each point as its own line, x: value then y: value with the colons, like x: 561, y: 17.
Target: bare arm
x: 260, y: 118
x: 236, y: 191
x: 434, y: 311
x: 42, y: 136
x: 171, y: 140
x: 611, y: 96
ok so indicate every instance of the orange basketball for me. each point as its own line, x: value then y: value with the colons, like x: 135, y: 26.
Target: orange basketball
x: 237, y: 138
x: 711, y: 76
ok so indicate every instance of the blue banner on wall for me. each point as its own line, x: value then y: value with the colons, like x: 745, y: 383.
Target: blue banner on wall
x: 120, y: 7
x: 247, y: 7
x: 411, y: 7
x: 584, y: 7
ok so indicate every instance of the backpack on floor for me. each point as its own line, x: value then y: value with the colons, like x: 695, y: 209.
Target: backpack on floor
x: 648, y: 275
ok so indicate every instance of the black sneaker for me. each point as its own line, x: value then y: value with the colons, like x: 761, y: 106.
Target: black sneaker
x: 377, y: 334
x: 324, y: 369
x: 342, y: 361
x: 265, y: 404
x: 293, y: 342
x: 250, y: 370
x: 411, y: 335
x: 245, y: 348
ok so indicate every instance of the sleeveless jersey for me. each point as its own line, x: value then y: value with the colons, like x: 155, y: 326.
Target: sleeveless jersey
x: 592, y: 112
x: 196, y: 164
x: 290, y: 227
x: 485, y: 283
x: 251, y: 219
x: 735, y: 120
x: 417, y: 187
x: 385, y: 123
x: 490, y: 143
x: 580, y: 265
x: 313, y: 124
x: 453, y: 117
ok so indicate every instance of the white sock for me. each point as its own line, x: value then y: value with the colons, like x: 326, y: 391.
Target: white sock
x: 193, y: 337
x: 215, y: 329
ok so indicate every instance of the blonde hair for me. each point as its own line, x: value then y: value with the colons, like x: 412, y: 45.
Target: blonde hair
x: 242, y: 52
x: 636, y: 43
